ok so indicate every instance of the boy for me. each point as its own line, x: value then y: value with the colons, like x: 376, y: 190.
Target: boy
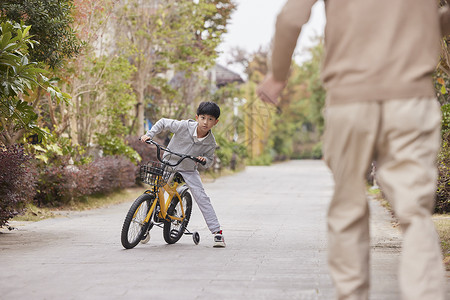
x: 195, y: 138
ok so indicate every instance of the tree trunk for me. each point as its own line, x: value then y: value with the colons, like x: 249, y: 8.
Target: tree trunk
x: 140, y: 110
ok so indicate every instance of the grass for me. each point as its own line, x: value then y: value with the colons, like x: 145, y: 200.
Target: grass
x: 442, y: 223
x: 33, y: 214
x: 378, y: 195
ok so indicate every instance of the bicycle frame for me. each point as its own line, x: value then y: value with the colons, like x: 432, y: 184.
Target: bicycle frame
x: 168, y: 191
x: 163, y: 203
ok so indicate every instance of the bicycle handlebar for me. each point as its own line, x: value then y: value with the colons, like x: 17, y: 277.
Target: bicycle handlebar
x: 182, y: 156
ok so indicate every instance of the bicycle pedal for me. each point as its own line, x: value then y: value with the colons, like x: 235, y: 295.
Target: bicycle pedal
x: 157, y: 218
x: 174, y: 233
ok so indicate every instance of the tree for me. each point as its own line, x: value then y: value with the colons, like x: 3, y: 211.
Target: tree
x: 310, y: 75
x: 50, y: 22
x: 297, y: 125
x: 55, y: 41
x: 180, y: 36
x: 18, y: 75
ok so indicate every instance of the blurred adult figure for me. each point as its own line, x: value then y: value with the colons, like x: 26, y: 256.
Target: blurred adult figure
x: 381, y: 105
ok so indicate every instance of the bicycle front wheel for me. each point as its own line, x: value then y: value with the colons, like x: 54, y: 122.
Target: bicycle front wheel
x: 134, y: 227
x: 174, y: 229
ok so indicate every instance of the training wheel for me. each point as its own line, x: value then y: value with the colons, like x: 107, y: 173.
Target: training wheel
x: 146, y: 239
x: 196, y: 237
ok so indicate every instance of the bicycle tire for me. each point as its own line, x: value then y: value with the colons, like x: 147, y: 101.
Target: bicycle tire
x: 133, y: 228
x: 173, y: 230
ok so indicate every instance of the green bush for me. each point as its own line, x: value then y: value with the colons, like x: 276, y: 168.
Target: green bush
x: 443, y: 160
x: 443, y: 186
x: 309, y: 151
x: 230, y: 153
x: 265, y: 159
x: 115, y: 145
x: 317, y: 151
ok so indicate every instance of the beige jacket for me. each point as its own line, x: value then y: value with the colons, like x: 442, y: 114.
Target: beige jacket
x: 374, y: 49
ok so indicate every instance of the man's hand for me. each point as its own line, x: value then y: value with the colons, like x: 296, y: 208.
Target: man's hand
x: 270, y: 89
x: 144, y: 138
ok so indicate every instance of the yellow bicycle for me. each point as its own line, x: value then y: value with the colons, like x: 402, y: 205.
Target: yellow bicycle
x: 152, y: 208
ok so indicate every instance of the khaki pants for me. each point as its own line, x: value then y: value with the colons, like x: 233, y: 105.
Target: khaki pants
x: 403, y: 137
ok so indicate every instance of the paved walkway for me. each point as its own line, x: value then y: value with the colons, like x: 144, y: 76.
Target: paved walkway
x: 274, y: 224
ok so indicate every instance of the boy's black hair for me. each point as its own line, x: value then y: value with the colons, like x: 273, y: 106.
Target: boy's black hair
x: 208, y: 108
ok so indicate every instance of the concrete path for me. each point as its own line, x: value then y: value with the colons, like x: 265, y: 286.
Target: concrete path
x: 274, y: 225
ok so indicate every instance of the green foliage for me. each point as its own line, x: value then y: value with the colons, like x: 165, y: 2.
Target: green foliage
x: 113, y: 145
x: 443, y: 160
x: 18, y: 75
x: 194, y: 29
x: 50, y: 22
x: 309, y: 151
x: 309, y: 75
x: 117, y: 102
x: 299, y: 121
x: 265, y: 159
x: 443, y: 186
x: 229, y: 152
x: 176, y: 35
x: 445, y: 125
x: 57, y: 150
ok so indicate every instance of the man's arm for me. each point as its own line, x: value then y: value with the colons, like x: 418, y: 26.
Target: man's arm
x: 290, y: 20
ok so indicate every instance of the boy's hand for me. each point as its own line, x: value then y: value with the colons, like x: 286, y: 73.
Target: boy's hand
x: 270, y: 89
x: 144, y: 138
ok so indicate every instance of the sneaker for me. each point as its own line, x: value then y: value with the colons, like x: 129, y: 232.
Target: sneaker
x: 219, y: 241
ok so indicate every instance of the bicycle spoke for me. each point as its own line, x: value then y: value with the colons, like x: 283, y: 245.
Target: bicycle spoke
x: 134, y: 224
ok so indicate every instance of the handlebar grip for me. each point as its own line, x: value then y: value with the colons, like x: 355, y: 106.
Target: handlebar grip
x: 202, y: 162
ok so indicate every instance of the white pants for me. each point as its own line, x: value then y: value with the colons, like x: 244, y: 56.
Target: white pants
x: 403, y: 136
x: 194, y: 182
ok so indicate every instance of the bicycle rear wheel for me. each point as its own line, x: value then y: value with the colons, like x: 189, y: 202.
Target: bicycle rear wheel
x: 174, y: 229
x: 134, y: 228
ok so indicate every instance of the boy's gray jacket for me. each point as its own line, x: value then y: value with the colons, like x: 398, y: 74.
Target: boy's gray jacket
x: 183, y: 142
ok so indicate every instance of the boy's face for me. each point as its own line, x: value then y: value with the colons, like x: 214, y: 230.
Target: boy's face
x: 205, y: 123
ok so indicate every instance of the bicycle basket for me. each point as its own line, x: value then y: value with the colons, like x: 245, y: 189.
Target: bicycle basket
x: 155, y: 173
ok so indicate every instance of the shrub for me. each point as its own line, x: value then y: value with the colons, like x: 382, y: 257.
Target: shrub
x: 58, y: 185
x: 52, y: 185
x: 308, y: 151
x: 106, y: 174
x: 17, y: 182
x: 443, y: 186
x: 230, y: 153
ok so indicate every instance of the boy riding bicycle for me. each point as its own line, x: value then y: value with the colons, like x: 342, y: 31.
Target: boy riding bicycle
x: 195, y: 138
